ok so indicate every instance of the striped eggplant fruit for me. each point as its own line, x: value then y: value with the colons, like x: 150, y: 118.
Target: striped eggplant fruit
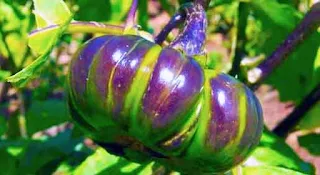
x: 144, y: 102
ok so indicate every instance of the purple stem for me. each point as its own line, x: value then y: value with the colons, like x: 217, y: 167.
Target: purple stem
x: 204, y: 3
x: 175, y: 20
x: 308, y: 25
x: 191, y: 40
x: 283, y: 128
x: 132, y: 14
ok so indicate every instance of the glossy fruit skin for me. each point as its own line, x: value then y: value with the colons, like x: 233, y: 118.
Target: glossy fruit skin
x: 145, y: 103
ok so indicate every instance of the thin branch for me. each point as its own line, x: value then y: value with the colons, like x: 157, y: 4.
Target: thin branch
x: 22, y: 119
x: 308, y: 25
x: 256, y: 76
x: 85, y: 27
x: 130, y: 23
x: 298, y: 113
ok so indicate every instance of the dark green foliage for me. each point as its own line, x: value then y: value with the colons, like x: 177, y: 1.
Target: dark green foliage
x: 311, y: 142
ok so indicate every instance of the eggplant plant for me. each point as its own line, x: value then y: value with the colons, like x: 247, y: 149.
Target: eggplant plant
x: 159, y: 102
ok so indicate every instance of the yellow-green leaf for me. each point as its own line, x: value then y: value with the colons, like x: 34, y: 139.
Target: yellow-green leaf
x: 41, y: 40
x: 4, y: 74
x: 21, y: 78
x: 52, y: 11
x: 101, y: 162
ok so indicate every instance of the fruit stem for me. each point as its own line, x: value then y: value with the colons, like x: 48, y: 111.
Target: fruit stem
x: 308, y: 25
x: 191, y: 40
x: 204, y: 3
x: 284, y: 127
x: 130, y: 22
x: 175, y: 20
x: 84, y: 27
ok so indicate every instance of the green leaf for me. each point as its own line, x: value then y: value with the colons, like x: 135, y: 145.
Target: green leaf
x: 45, y: 156
x: 282, y: 15
x: 42, y: 157
x: 311, y: 142
x: 4, y: 74
x: 44, y: 114
x: 120, y: 9
x: 273, y: 151
x: 3, y: 125
x: 97, y: 10
x: 113, y: 11
x: 101, y: 162
x: 42, y: 40
x: 15, y: 22
x: 271, y: 16
x: 269, y: 170
x: 41, y: 23
x: 143, y: 18
x: 7, y: 163
x: 23, y: 77
x: 168, y: 7
x: 51, y: 11
x: 311, y: 120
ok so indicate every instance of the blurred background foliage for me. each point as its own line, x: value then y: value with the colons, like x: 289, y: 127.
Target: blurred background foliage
x: 38, y: 138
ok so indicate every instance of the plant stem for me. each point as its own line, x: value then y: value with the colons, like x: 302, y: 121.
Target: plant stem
x: 241, y: 24
x: 21, y: 117
x: 85, y: 27
x: 192, y: 39
x: 130, y: 23
x: 204, y: 3
x: 175, y: 20
x: 11, y: 64
x: 283, y: 128
x: 308, y: 25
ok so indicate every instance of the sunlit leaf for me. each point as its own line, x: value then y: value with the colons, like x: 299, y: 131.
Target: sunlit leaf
x: 101, y: 162
x: 269, y: 170
x: 15, y: 22
x: 4, y: 74
x: 274, y: 152
x: 42, y: 40
x: 120, y: 9
x: 41, y: 23
x: 22, y: 77
x: 311, y: 120
x: 52, y: 11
